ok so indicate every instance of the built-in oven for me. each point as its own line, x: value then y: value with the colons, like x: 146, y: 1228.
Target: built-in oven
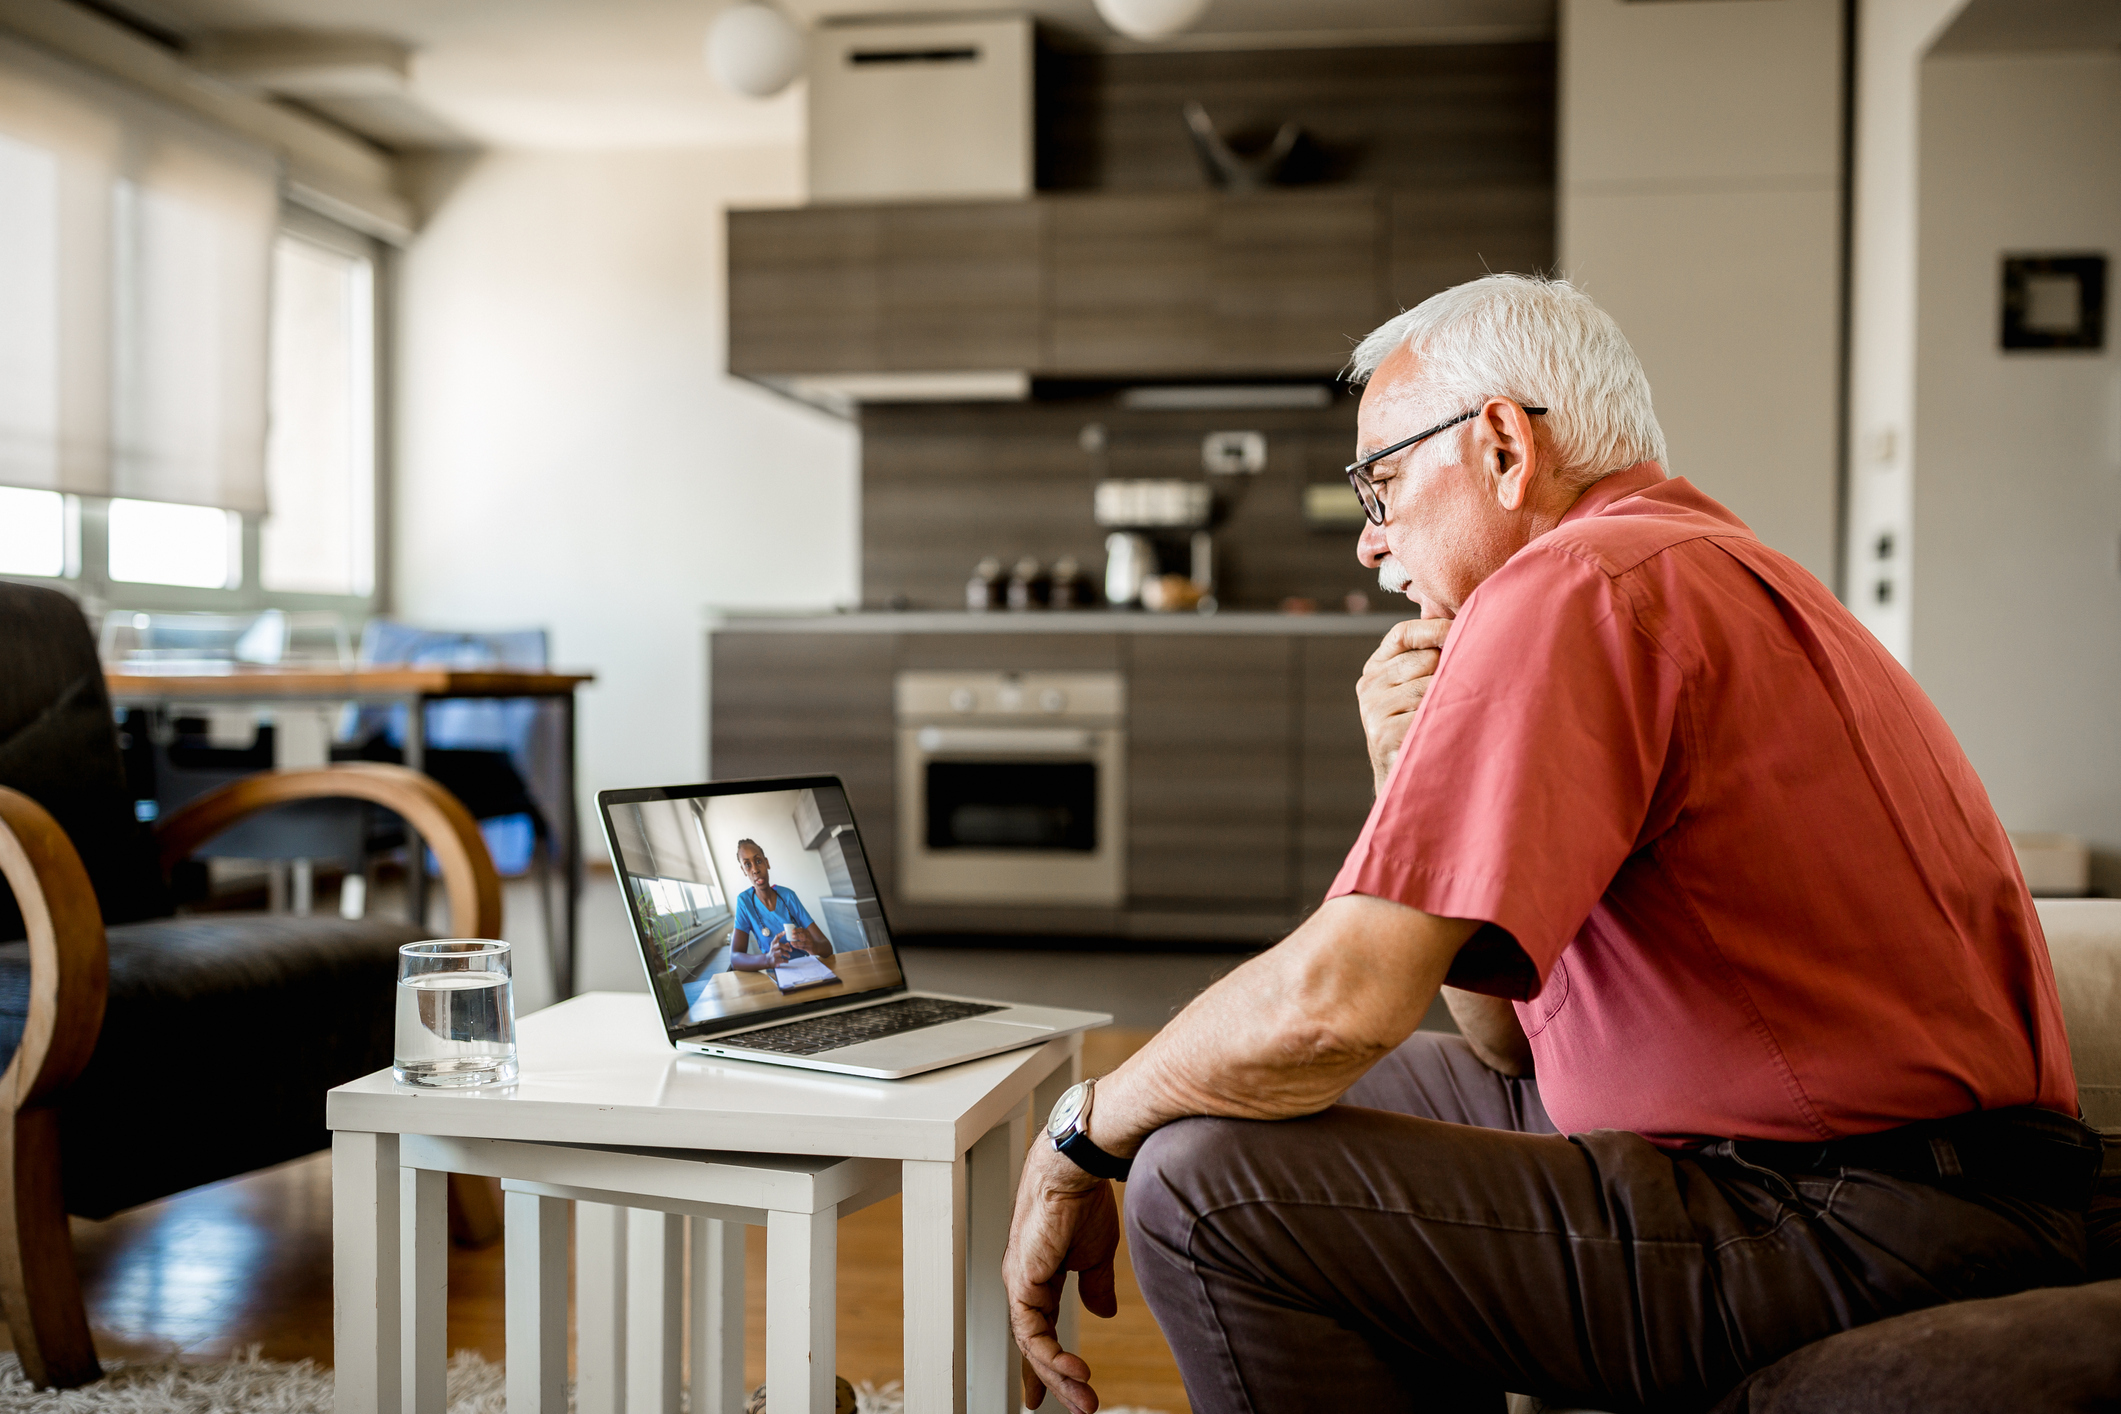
x: 1012, y: 787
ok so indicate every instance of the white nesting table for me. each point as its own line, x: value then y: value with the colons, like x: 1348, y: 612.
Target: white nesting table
x: 596, y: 1073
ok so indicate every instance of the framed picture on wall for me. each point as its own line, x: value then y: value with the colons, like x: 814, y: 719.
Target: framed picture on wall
x: 2054, y: 302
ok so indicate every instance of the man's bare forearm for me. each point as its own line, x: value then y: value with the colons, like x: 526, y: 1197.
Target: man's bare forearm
x: 1491, y: 1028
x: 1287, y: 1033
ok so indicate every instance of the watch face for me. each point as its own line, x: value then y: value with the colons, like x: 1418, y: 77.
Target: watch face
x: 1066, y: 1110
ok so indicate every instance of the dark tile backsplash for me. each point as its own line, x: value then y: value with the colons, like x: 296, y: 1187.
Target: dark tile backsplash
x: 945, y: 484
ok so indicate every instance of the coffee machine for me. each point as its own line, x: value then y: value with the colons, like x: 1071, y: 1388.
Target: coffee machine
x: 1160, y: 552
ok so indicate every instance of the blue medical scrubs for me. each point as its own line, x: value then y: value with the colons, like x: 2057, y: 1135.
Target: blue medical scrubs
x: 764, y: 927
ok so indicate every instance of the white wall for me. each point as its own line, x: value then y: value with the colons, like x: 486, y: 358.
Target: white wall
x: 1700, y: 205
x: 2016, y: 628
x: 571, y: 454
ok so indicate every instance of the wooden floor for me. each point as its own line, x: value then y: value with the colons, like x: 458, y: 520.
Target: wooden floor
x: 248, y: 1263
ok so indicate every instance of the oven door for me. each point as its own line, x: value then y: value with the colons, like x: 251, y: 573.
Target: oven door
x: 1012, y: 814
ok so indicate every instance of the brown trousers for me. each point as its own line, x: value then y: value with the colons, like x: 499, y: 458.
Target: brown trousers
x: 1431, y: 1242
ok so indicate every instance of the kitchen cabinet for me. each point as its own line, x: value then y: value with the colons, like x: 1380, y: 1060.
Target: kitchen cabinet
x: 1109, y: 285
x: 803, y: 291
x: 1334, y: 784
x: 810, y: 704
x: 1156, y: 284
x: 959, y: 286
x: 1209, y: 780
x: 1295, y: 276
x: 1128, y: 284
x: 867, y: 289
x: 1247, y: 779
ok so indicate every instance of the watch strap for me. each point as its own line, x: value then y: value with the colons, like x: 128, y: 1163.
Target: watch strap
x: 1093, y: 1160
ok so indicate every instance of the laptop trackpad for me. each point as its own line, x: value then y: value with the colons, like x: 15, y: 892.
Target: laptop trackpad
x: 974, y: 1032
x: 968, y: 1037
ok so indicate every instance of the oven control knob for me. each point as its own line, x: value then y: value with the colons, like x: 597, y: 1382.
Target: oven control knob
x: 1053, y: 700
x: 1009, y: 697
x: 963, y: 699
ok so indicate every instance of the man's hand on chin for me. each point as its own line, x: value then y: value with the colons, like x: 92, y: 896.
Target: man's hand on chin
x: 1066, y: 1221
x: 1393, y: 684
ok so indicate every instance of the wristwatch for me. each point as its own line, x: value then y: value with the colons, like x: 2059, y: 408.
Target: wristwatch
x: 1069, y: 1129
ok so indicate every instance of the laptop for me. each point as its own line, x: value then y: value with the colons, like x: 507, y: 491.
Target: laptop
x: 764, y: 939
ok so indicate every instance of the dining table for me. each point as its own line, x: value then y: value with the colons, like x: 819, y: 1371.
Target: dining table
x: 167, y: 686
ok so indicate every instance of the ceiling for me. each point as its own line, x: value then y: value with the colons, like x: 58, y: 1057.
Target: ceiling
x: 587, y: 74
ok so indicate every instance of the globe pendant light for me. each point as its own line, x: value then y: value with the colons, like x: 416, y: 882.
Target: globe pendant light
x: 754, y: 50
x: 1150, y: 19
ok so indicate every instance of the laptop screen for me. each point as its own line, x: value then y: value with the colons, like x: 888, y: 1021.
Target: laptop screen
x: 748, y: 897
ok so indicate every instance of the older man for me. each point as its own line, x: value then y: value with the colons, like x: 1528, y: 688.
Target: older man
x: 1685, y: 842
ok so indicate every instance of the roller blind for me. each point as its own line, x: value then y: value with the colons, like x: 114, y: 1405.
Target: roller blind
x: 135, y: 276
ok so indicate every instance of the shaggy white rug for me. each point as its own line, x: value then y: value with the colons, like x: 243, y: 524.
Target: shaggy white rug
x: 248, y: 1385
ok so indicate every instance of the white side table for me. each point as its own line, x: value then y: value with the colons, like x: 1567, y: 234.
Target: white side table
x: 631, y: 1211
x: 605, y: 1114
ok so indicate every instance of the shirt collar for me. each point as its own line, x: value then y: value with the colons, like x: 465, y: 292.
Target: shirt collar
x: 1628, y: 481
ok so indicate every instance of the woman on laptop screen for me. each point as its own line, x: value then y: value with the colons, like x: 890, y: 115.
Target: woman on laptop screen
x: 772, y: 926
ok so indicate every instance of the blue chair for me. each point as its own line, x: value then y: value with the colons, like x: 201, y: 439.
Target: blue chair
x: 484, y: 751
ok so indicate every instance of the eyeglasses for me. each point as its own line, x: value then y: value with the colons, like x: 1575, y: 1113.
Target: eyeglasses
x: 1373, y: 500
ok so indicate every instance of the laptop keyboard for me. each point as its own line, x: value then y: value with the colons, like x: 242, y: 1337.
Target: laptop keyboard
x: 850, y: 1028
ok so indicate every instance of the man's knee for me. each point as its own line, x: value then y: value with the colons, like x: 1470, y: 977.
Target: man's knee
x: 1166, y: 1189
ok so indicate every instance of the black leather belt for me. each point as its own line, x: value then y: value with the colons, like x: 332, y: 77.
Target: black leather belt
x: 2033, y: 1154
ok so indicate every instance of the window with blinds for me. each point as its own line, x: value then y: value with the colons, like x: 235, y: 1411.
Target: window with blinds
x: 187, y: 371
x: 320, y: 456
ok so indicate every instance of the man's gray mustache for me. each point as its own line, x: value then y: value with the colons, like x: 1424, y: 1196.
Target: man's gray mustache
x: 1391, y: 577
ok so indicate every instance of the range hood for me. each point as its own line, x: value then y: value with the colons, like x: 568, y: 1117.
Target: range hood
x: 841, y: 393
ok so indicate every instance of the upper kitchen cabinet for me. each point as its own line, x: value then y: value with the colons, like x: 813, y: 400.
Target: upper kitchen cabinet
x: 1296, y: 279
x: 1120, y: 254
x: 959, y: 286
x: 885, y: 289
x: 803, y: 291
x: 1103, y: 285
x: 1156, y: 284
x: 1129, y: 283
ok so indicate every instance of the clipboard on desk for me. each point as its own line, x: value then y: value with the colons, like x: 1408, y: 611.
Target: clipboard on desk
x: 807, y: 970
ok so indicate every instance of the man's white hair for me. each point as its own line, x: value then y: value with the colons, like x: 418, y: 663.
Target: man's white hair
x: 1539, y: 342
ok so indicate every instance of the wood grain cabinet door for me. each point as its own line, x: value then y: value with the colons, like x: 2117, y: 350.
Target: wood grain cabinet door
x: 960, y: 286
x: 1333, y: 760
x: 1127, y: 284
x: 1208, y: 770
x: 803, y: 291
x: 798, y: 704
x: 1296, y: 279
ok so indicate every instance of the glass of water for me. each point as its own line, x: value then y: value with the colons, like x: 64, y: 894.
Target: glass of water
x: 456, y: 1014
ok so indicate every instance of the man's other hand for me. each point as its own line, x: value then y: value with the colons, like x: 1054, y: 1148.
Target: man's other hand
x: 1393, y: 684
x: 1066, y: 1221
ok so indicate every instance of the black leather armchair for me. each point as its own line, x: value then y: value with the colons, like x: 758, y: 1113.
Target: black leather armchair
x: 146, y: 1053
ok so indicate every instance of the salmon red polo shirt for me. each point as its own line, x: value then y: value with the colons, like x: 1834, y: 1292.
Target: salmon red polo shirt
x: 1737, y: 874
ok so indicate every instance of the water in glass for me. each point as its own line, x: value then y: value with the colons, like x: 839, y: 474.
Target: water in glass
x: 456, y: 1014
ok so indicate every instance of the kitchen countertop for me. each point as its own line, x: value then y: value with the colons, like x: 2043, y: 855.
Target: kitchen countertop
x: 1066, y: 621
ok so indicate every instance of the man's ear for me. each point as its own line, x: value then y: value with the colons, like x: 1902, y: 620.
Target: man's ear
x: 1511, y: 457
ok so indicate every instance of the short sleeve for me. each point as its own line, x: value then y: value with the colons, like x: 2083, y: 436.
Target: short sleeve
x: 1530, y: 771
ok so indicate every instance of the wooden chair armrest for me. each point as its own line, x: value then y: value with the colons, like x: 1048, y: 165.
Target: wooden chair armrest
x: 468, y: 875
x: 69, y: 964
